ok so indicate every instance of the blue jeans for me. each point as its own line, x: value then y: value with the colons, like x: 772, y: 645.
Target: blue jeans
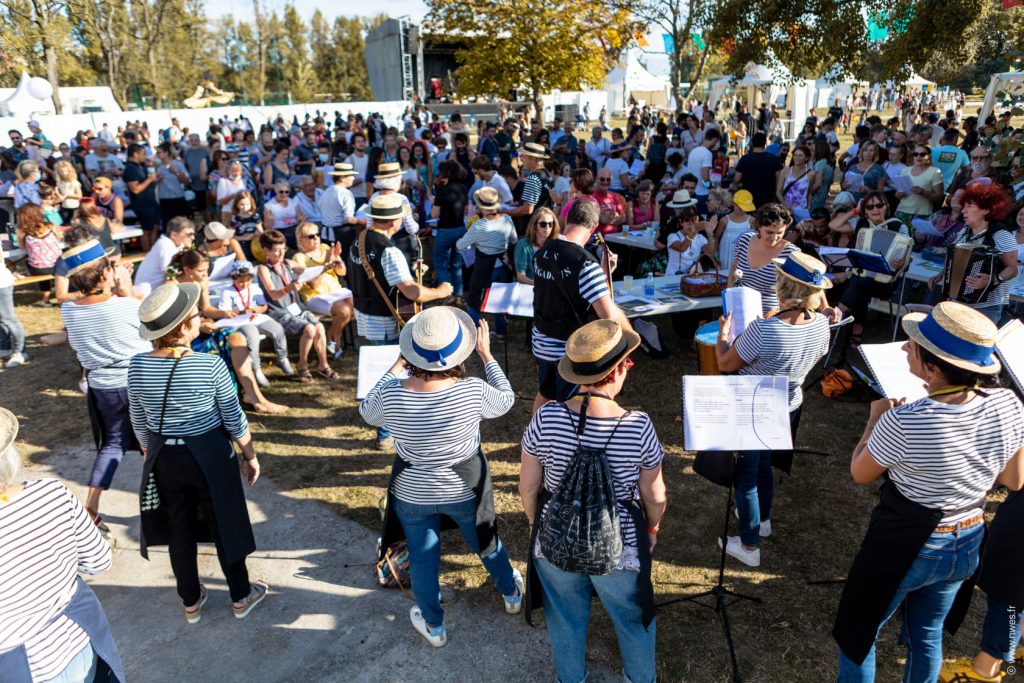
x: 81, y: 668
x: 1000, y: 634
x: 567, y: 600
x: 422, y: 525
x: 12, y: 335
x: 383, y: 432
x: 112, y: 406
x: 447, y: 259
x: 755, y: 487
x: 927, y: 591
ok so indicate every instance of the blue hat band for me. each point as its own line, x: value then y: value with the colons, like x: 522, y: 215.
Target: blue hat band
x: 794, y: 269
x: 953, y: 345
x: 85, y: 257
x: 439, y: 355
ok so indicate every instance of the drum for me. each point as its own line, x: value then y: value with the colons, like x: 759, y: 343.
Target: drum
x: 707, y: 339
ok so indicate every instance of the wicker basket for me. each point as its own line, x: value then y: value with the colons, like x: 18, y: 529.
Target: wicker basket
x: 700, y: 285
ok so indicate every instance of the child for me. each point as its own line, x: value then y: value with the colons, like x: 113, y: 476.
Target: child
x: 281, y: 288
x: 686, y: 245
x: 245, y: 221
x: 41, y: 244
x: 50, y: 203
x: 244, y: 296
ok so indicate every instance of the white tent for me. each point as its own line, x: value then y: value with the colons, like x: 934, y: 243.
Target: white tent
x: 632, y: 78
x: 20, y: 103
x: 915, y: 82
x: 1011, y: 82
x: 833, y: 86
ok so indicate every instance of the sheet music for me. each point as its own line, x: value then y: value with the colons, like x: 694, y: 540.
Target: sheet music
x: 220, y: 267
x: 925, y: 227
x: 854, y: 181
x: 1010, y: 348
x: 310, y: 273
x: 513, y: 298
x: 247, y: 319
x: 736, y: 413
x: 374, y: 361
x: 745, y: 305
x: 888, y: 364
x: 903, y: 183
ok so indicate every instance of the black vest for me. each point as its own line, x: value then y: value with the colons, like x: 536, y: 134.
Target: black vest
x: 558, y: 308
x: 365, y: 295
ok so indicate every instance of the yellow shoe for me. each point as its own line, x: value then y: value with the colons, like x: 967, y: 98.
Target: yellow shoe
x: 962, y: 671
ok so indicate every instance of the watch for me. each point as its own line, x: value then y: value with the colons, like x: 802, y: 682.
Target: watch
x: 1000, y: 279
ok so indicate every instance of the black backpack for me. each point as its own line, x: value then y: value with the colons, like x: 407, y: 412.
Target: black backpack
x: 580, y: 530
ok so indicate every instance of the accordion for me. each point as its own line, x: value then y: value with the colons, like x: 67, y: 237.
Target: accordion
x: 888, y: 244
x: 964, y: 261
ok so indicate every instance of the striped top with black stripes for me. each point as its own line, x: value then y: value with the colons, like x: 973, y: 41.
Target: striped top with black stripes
x: 105, y: 336
x: 489, y: 236
x: 593, y: 286
x: 46, y: 539
x: 435, y: 430
x: 202, y: 396
x: 772, y: 346
x: 946, y: 456
x: 762, y: 279
x: 551, y: 438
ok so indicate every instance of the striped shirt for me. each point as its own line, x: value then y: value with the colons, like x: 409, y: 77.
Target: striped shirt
x: 396, y: 270
x: 532, y: 188
x: 490, y: 236
x: 593, y: 286
x: 1004, y: 242
x: 946, y: 456
x: 771, y: 346
x: 435, y: 430
x: 763, y: 278
x: 105, y: 336
x: 337, y: 205
x: 46, y: 539
x: 551, y: 438
x: 202, y: 397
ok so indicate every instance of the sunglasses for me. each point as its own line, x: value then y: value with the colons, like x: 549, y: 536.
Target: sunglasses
x: 872, y: 207
x: 920, y: 154
x: 604, y: 180
x: 312, y: 236
x: 190, y: 234
x: 545, y: 224
x: 284, y: 192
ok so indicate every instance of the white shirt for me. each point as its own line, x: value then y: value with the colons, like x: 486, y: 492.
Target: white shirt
x: 311, y: 207
x: 151, y: 270
x: 499, y: 184
x: 681, y: 262
x: 359, y: 163
x: 598, y: 151
x: 700, y: 158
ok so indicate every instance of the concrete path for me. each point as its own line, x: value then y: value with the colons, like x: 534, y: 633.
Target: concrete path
x: 321, y: 622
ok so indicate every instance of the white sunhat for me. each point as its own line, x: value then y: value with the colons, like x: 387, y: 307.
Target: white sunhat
x: 439, y: 338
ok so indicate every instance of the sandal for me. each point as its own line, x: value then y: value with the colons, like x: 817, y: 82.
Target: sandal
x: 255, y: 597
x: 328, y: 374
x: 194, y: 614
x: 304, y: 376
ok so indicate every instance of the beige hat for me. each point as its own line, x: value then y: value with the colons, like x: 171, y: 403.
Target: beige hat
x: 803, y: 268
x: 387, y: 207
x: 532, y: 149
x: 215, y: 230
x: 8, y: 429
x: 84, y: 255
x: 487, y: 198
x: 594, y: 350
x: 681, y: 200
x: 390, y: 169
x: 439, y: 338
x: 957, y: 334
x: 166, y: 307
x: 343, y: 170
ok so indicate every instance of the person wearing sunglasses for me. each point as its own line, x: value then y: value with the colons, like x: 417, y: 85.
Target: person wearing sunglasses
x: 926, y: 191
x: 980, y: 168
x: 543, y: 226
x: 283, y: 213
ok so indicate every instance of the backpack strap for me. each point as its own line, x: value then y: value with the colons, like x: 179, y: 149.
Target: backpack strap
x: 167, y: 392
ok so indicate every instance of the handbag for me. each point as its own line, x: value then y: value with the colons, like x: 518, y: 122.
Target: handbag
x: 151, y: 496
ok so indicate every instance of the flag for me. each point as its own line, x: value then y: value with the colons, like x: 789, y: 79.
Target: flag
x: 876, y: 31
x: 698, y: 41
x: 670, y: 43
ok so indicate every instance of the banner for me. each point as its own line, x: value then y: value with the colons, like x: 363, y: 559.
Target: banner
x: 670, y: 43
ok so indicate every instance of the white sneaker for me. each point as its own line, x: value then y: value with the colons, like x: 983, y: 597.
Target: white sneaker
x: 766, y: 525
x: 261, y: 379
x: 15, y: 360
x: 331, y: 347
x: 514, y: 603
x: 751, y: 558
x: 435, y: 636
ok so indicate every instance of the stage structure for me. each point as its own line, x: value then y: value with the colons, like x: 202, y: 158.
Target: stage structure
x: 405, y: 64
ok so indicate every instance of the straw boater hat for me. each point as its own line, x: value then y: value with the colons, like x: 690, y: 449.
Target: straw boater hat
x: 8, y: 429
x: 532, y: 149
x: 439, y: 338
x: 343, y: 170
x: 487, y: 198
x: 957, y: 334
x: 215, y: 230
x: 84, y: 255
x: 593, y: 351
x: 390, y: 169
x: 166, y: 307
x: 681, y: 199
x: 744, y: 200
x: 804, y: 269
x: 387, y: 207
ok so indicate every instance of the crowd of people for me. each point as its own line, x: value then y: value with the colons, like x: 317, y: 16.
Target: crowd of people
x: 282, y: 232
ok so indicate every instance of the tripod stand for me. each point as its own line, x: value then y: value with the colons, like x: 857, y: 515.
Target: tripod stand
x: 720, y: 593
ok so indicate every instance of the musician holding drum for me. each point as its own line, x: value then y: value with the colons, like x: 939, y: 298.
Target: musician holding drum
x: 788, y: 343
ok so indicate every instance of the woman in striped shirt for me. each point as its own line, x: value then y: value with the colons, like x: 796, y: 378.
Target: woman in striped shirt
x: 185, y: 412
x: 752, y: 265
x: 51, y: 624
x: 102, y: 328
x: 434, y: 417
x: 788, y: 343
x: 491, y: 235
x: 941, y: 455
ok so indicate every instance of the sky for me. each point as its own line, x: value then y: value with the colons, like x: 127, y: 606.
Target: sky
x: 395, y: 8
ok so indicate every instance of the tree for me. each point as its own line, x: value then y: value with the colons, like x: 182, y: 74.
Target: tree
x: 298, y: 73
x: 262, y: 35
x: 104, y: 27
x: 534, y: 45
x: 47, y: 26
x: 350, y: 46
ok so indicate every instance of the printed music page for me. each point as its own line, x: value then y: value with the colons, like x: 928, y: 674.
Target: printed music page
x: 374, y: 361
x: 514, y: 298
x: 246, y: 319
x: 1010, y: 347
x: 736, y: 413
x: 888, y: 364
x: 745, y: 305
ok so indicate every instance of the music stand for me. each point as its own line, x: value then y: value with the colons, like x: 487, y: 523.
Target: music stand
x: 870, y: 262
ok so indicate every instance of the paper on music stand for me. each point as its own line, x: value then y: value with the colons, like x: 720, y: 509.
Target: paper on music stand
x: 513, y: 298
x: 310, y: 273
x: 854, y: 181
x: 925, y: 227
x: 220, y: 268
x: 745, y: 305
x: 247, y: 319
x: 1010, y: 348
x: 888, y: 364
x: 903, y: 183
x: 374, y: 361
x: 736, y: 413
x: 637, y: 168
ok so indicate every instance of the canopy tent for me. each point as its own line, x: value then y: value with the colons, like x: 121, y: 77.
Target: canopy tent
x: 915, y: 82
x: 761, y: 83
x: 1011, y: 82
x: 833, y: 86
x: 632, y: 79
x: 20, y: 102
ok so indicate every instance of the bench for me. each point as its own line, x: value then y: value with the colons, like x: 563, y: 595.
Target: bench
x: 34, y: 279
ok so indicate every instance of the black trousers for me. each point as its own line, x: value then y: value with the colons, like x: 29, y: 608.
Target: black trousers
x: 183, y: 492
x: 859, y: 292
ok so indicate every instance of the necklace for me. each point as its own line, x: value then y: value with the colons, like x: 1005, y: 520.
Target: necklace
x: 949, y: 390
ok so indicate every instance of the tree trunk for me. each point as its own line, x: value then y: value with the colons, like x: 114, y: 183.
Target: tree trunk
x: 52, y: 75
x: 538, y: 106
x: 700, y: 71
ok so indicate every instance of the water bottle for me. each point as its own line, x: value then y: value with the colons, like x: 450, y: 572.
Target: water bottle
x: 649, y: 285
